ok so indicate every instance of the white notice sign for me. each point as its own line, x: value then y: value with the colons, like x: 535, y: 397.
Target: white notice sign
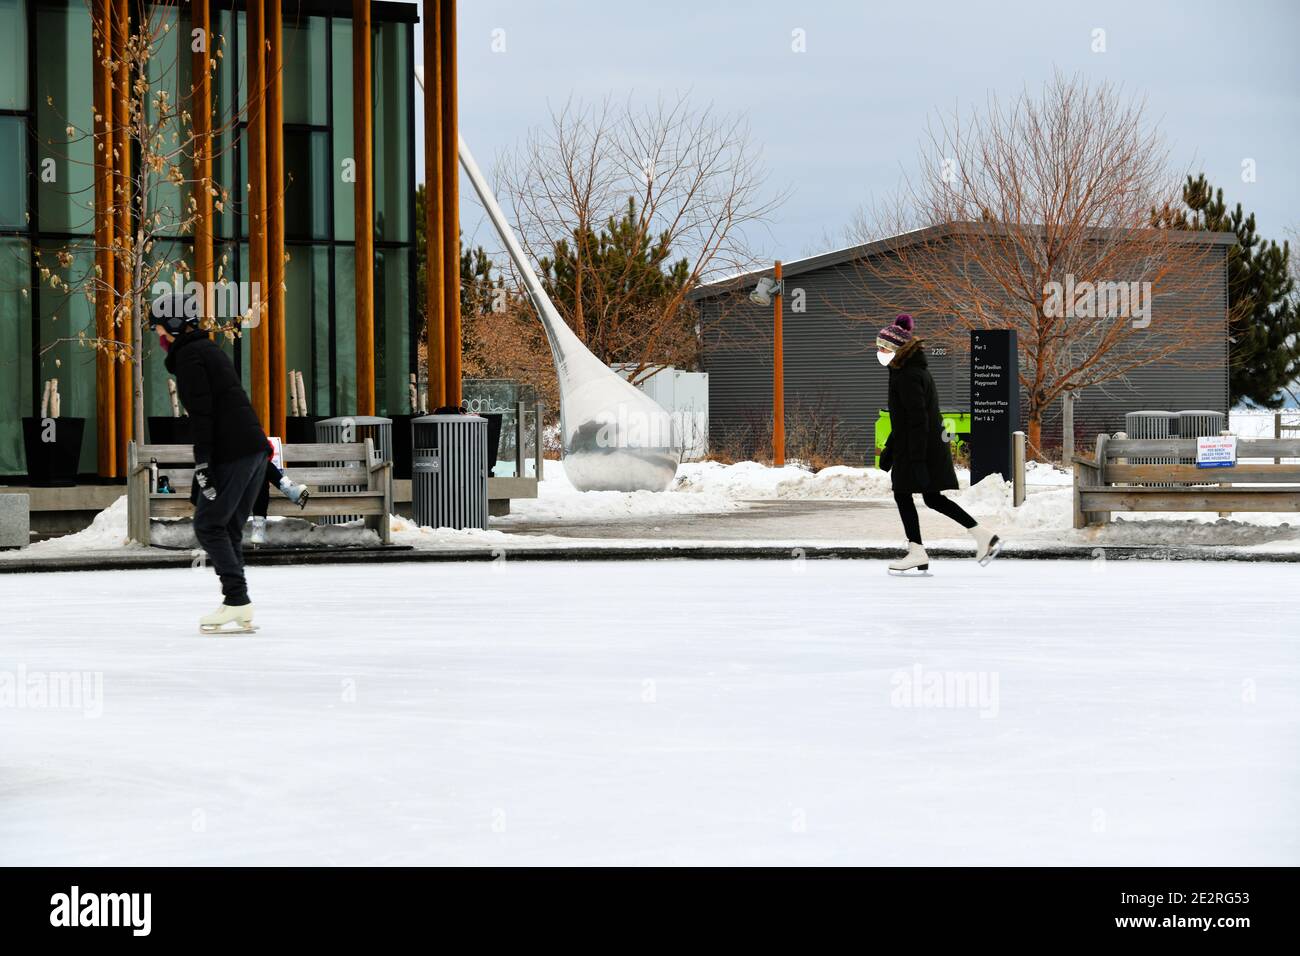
x: 1216, y: 451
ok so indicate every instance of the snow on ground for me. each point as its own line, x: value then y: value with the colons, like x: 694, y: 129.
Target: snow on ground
x: 812, y: 712
x: 709, y: 488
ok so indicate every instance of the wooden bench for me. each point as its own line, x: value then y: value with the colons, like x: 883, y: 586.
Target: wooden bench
x: 1110, y: 481
x: 323, y: 468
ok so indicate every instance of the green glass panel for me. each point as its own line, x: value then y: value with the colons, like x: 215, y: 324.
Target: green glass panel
x: 67, y: 317
x: 15, y: 352
x: 307, y: 314
x: 341, y: 78
x: 227, y: 134
x: 393, y: 80
x: 306, y: 172
x: 302, y: 81
x: 13, y: 172
x: 345, y: 330
x: 169, y: 72
x: 13, y: 54
x: 392, y: 331
x: 65, y: 174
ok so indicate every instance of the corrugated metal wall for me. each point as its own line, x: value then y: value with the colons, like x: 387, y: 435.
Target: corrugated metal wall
x: 832, y: 377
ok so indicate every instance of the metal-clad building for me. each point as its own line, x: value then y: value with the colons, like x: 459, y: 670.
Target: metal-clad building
x: 834, y: 388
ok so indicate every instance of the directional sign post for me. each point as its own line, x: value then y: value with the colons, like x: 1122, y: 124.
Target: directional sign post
x: 994, y: 401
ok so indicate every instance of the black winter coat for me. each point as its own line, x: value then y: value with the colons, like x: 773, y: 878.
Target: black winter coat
x: 916, y: 430
x: 221, y: 417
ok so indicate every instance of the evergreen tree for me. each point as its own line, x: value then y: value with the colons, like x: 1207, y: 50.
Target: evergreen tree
x: 1263, y: 305
x: 611, y: 287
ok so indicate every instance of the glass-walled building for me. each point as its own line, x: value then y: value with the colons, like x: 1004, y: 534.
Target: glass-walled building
x: 47, y: 204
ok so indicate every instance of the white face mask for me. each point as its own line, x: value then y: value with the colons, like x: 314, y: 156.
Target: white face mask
x: 884, y: 357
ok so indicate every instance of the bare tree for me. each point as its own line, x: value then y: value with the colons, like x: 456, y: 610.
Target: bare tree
x: 627, y: 209
x: 159, y: 192
x: 1036, y: 216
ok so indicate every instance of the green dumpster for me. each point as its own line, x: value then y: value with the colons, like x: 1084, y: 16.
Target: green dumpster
x: 956, y: 424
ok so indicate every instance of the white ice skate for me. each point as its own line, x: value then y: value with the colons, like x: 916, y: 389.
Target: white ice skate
x: 916, y: 563
x: 259, y: 530
x: 296, y: 493
x: 987, y: 544
x: 228, y: 620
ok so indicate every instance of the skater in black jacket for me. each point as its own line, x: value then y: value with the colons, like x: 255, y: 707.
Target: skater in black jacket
x: 916, y: 455
x: 230, y: 454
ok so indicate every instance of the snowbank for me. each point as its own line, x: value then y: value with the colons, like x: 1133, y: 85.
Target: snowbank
x: 106, y: 532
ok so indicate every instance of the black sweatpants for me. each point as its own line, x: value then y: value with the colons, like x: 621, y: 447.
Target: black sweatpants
x: 935, y: 502
x: 219, y: 523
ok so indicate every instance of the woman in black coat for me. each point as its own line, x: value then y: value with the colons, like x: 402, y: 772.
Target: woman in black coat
x: 916, y: 455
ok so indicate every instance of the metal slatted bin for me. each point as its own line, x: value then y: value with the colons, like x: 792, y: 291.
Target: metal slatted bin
x: 352, y: 428
x: 1149, y: 424
x: 449, y: 471
x: 1198, y: 423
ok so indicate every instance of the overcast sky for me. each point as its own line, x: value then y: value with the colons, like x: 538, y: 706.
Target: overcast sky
x: 840, y: 122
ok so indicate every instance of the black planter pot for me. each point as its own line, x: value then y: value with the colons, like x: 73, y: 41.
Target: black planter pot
x: 166, y: 430
x: 401, y: 446
x: 54, y: 462
x: 301, y: 429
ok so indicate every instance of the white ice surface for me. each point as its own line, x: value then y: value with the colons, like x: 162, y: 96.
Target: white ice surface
x: 658, y: 712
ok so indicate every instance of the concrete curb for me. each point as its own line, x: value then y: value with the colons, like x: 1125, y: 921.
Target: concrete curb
x: 156, y: 558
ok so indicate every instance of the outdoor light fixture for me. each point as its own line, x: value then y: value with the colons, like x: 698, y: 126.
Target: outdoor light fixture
x: 763, y: 292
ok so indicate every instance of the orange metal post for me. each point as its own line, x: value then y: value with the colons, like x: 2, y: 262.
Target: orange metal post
x: 450, y: 211
x: 275, y: 317
x: 259, y: 339
x: 778, y: 375
x: 435, y: 312
x: 201, y: 108
x: 105, y: 371
x: 363, y: 147
x: 122, y: 226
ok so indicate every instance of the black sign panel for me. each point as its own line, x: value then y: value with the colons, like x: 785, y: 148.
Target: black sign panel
x: 994, y: 401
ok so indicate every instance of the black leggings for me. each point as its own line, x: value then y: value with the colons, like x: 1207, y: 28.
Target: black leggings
x: 935, y: 502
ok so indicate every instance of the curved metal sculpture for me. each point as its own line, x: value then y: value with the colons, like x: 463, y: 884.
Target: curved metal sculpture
x: 615, y: 437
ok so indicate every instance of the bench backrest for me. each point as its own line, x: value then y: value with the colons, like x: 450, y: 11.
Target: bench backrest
x: 317, y: 464
x: 1128, y: 461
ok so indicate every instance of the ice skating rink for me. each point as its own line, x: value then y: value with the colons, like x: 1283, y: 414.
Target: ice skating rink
x: 681, y: 712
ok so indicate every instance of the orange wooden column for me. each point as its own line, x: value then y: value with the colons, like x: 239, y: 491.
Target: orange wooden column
x: 201, y: 110
x: 258, y: 338
x: 122, y: 229
x: 435, y: 314
x: 778, y: 373
x: 275, y: 316
x: 450, y: 211
x: 363, y: 147
x: 105, y: 370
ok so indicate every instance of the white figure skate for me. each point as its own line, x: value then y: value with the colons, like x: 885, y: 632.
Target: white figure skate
x: 258, y: 535
x: 228, y: 620
x: 916, y: 563
x: 987, y: 544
